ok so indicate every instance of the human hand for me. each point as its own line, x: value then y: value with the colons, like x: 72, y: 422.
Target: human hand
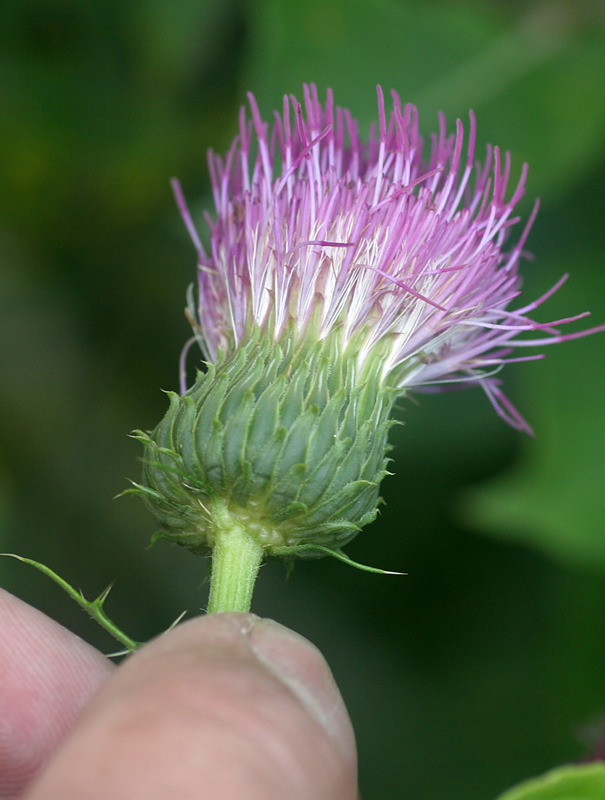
x: 226, y: 706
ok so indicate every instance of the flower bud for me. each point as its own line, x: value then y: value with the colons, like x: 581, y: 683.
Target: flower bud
x: 287, y: 437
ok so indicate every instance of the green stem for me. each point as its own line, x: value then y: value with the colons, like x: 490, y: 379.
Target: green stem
x: 92, y: 607
x: 236, y: 558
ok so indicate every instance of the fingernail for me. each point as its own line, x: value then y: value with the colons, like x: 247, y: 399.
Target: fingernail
x: 302, y: 668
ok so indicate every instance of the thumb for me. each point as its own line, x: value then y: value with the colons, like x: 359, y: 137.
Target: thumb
x: 227, y: 707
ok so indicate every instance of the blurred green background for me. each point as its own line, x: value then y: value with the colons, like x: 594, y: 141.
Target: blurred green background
x: 484, y: 665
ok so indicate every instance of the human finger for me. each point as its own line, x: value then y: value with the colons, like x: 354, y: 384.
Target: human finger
x: 227, y: 706
x: 47, y: 675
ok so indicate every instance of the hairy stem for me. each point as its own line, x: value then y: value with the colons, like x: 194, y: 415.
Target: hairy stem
x: 236, y: 558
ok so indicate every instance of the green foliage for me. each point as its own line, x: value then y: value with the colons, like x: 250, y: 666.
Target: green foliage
x: 528, y: 70
x: 586, y: 782
x: 553, y: 497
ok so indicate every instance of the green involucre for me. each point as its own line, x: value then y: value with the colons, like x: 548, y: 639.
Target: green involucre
x: 290, y: 438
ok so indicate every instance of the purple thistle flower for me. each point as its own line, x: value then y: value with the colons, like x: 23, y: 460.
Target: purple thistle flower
x: 317, y: 229
x: 340, y: 275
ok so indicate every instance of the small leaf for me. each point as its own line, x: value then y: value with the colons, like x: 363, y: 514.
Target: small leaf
x: 584, y: 782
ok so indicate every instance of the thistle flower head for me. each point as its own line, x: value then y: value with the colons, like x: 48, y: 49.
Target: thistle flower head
x: 341, y: 274
x: 399, y: 248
